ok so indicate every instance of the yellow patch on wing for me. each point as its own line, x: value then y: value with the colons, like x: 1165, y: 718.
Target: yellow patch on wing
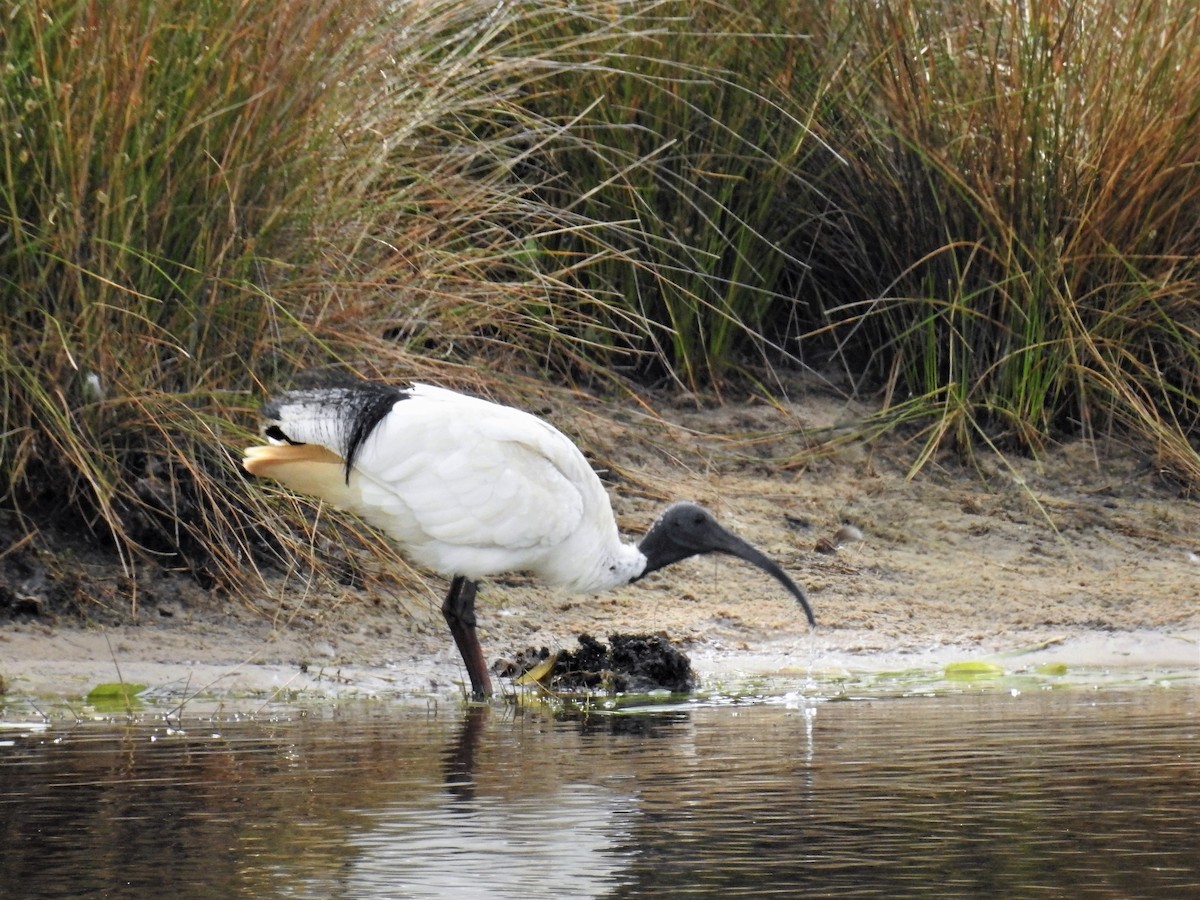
x: 306, y: 468
x: 261, y: 460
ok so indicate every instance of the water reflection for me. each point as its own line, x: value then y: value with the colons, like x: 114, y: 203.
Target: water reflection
x: 1058, y: 792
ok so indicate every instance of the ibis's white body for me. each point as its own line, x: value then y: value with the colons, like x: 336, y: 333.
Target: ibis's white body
x: 465, y: 487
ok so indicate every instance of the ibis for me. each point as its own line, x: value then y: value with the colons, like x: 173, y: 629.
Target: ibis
x: 468, y: 488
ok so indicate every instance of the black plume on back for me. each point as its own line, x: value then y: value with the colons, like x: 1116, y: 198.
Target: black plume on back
x: 371, y: 401
x: 340, y: 417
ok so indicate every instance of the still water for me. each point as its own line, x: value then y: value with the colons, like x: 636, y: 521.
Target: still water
x: 1079, y: 793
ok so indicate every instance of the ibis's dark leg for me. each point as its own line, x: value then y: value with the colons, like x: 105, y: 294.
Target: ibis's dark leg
x: 459, y: 610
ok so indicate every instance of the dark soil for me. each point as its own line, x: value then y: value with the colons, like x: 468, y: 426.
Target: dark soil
x: 628, y: 664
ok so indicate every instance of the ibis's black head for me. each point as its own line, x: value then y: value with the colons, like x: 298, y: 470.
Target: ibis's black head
x: 686, y: 529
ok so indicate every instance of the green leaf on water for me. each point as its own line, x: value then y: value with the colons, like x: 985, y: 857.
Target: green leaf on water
x: 1052, y: 669
x: 965, y: 671
x: 115, y: 696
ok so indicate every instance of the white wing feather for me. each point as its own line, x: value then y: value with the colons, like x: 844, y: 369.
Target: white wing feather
x: 443, y: 468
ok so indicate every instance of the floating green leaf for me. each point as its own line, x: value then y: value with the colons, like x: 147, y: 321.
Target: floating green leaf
x: 1052, y: 669
x: 965, y: 671
x: 115, y: 696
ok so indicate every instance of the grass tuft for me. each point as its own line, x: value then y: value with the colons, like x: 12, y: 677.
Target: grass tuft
x: 1016, y: 234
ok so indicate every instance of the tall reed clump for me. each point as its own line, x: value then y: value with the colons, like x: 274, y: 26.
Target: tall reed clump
x: 1014, y: 248
x: 147, y: 157
x: 988, y: 210
x: 198, y: 199
x: 692, y: 141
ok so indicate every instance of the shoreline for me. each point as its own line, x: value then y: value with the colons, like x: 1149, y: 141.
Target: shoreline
x: 61, y: 665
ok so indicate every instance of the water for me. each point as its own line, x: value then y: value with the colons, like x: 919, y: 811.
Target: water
x: 1079, y: 793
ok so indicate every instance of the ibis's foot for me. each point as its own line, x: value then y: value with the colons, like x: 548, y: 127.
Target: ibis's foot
x: 459, y: 611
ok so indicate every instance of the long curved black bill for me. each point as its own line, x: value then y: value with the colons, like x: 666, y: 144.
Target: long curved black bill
x: 735, y: 546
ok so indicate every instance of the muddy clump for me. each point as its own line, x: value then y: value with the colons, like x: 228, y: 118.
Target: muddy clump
x: 628, y: 664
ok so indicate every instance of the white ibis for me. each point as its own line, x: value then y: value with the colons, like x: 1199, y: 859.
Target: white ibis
x: 468, y: 488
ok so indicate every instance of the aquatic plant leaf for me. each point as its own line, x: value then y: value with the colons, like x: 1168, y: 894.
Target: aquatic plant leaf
x: 1052, y: 669
x: 964, y: 671
x: 115, y: 696
x: 539, y: 673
